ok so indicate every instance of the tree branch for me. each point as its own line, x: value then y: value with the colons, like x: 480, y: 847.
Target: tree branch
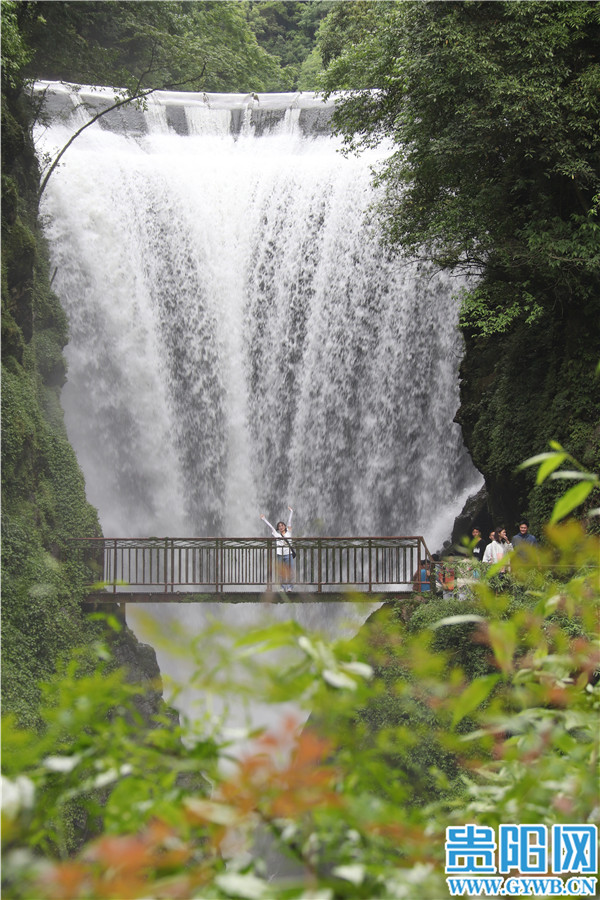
x: 139, y: 95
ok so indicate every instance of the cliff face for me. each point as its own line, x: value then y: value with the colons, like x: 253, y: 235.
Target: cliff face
x: 520, y: 390
x: 43, y: 493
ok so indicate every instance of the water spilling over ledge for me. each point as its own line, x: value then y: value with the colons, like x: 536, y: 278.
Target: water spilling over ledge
x: 240, y: 337
x: 190, y: 113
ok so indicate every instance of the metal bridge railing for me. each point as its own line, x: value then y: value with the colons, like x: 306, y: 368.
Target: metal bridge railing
x: 186, y: 564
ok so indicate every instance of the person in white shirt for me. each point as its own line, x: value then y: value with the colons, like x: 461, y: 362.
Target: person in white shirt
x: 498, y: 547
x: 283, y: 549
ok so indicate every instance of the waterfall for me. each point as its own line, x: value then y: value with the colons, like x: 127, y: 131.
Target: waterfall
x: 240, y: 339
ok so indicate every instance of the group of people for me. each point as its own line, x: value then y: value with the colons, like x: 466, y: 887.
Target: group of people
x: 491, y: 552
x: 499, y: 544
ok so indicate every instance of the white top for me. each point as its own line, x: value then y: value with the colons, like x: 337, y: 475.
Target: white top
x: 495, y: 551
x: 283, y: 548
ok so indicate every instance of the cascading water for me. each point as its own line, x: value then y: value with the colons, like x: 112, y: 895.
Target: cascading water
x: 239, y: 338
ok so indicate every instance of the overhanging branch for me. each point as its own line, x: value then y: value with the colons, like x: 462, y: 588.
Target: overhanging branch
x: 139, y: 95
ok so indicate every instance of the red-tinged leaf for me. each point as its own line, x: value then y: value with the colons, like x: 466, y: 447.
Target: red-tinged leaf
x: 66, y: 881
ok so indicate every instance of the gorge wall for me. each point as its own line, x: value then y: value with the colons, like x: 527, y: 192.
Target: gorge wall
x: 44, y: 504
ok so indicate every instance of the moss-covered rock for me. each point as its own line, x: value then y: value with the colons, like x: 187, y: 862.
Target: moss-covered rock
x: 520, y: 390
x: 44, y: 506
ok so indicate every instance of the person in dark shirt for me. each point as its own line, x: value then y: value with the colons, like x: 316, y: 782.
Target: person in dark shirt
x: 479, y: 548
x: 523, y: 536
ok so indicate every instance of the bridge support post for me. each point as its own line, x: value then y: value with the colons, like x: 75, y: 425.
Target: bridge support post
x: 114, y: 574
x: 319, y: 566
x: 166, y: 558
x: 269, y: 567
x: 219, y: 565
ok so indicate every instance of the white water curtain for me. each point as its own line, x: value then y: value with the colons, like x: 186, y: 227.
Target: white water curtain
x: 239, y: 338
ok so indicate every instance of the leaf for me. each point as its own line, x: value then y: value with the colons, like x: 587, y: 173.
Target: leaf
x: 456, y: 620
x: 359, y: 668
x: 17, y: 794
x: 473, y: 696
x: 355, y: 873
x: 105, y: 778
x: 534, y: 460
x: 209, y: 811
x: 278, y: 635
x: 246, y: 887
x: 570, y: 501
x: 549, y: 465
x: 339, y: 680
x: 306, y: 644
x: 575, y: 475
x: 503, y: 640
x: 62, y: 763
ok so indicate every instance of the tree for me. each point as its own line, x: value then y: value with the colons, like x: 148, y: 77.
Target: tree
x: 287, y: 30
x: 134, y: 46
x: 139, y: 48
x: 493, y: 111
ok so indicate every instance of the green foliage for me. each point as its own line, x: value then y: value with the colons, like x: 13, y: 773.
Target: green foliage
x: 136, y: 46
x: 91, y: 733
x: 492, y: 110
x: 587, y: 483
x: 310, y: 72
x: 287, y: 31
x: 482, y: 711
x: 15, y: 54
x: 43, y: 508
x: 349, y: 43
x: 43, y: 494
x: 514, y: 400
x: 456, y: 639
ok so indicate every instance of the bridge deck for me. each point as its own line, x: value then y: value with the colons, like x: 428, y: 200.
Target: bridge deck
x: 108, y: 597
x: 249, y: 570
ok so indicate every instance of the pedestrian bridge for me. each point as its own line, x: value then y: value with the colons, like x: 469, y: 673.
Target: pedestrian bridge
x: 238, y: 570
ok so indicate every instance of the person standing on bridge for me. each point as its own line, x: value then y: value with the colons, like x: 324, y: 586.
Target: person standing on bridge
x: 284, y: 551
